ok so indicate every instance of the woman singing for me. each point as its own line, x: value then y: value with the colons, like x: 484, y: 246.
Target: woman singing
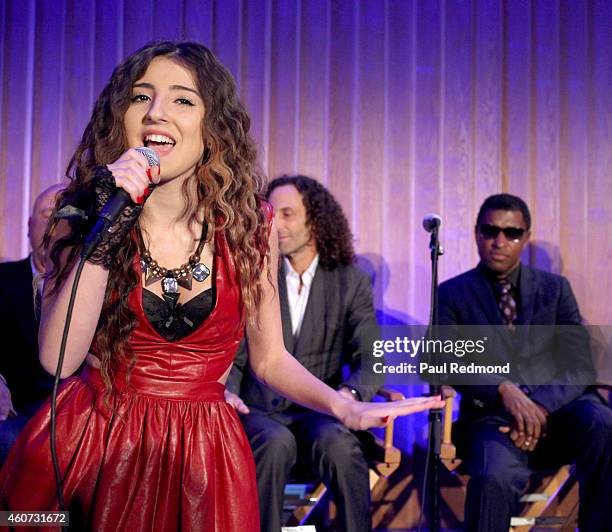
x: 145, y: 439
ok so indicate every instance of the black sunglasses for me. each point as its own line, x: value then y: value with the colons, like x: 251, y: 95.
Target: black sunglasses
x: 492, y: 231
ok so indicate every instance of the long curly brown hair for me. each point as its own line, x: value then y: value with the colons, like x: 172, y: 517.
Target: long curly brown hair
x: 229, y: 186
x: 328, y: 224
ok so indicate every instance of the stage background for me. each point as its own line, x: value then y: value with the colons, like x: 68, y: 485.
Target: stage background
x: 400, y: 107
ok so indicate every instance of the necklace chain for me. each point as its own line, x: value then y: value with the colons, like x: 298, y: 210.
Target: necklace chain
x: 172, y: 278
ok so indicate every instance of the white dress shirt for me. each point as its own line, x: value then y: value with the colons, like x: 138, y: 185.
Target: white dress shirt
x: 298, y: 289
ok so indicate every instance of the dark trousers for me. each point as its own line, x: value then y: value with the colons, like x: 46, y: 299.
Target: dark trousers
x: 332, y: 451
x: 580, y: 433
x: 9, y: 430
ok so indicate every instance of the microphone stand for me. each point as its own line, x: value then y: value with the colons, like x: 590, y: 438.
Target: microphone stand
x: 434, y: 441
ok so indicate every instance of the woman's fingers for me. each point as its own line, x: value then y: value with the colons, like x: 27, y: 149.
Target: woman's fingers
x: 412, y: 405
x: 133, y: 174
x: 418, y: 404
x: 152, y: 173
x: 379, y: 414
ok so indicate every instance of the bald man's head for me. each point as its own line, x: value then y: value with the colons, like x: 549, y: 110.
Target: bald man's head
x: 37, y: 223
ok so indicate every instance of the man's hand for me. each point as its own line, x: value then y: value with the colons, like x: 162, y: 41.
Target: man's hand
x: 529, y: 417
x: 6, y: 405
x: 236, y: 402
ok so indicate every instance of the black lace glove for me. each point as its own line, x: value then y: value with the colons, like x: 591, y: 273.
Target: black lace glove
x: 105, y: 254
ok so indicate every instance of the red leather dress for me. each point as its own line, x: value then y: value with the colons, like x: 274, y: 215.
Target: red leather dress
x: 169, y: 454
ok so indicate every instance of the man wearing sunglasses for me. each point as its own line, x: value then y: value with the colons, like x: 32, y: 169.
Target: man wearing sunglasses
x: 544, y: 415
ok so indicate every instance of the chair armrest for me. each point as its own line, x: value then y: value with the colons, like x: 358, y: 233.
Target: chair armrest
x: 448, y: 451
x: 390, y: 395
x: 388, y: 456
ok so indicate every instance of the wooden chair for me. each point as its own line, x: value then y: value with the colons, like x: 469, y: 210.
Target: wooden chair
x: 382, y: 457
x: 554, y: 503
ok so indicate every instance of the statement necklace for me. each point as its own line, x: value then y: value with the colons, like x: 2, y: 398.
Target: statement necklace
x: 172, y: 278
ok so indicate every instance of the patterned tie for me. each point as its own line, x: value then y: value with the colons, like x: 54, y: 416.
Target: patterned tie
x: 507, y: 304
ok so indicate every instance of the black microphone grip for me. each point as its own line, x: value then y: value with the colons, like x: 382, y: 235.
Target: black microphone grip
x: 111, y: 211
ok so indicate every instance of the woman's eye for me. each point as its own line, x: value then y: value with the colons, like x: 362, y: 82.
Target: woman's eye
x: 140, y: 98
x: 184, y: 101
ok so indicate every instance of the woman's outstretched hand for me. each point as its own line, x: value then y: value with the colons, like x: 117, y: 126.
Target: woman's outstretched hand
x: 360, y: 416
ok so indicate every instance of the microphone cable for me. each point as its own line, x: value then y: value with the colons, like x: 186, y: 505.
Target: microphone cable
x: 58, y: 373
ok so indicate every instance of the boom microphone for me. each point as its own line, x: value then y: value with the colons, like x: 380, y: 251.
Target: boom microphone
x: 119, y: 200
x: 431, y: 222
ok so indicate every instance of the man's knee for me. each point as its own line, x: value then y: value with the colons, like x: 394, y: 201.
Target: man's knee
x: 496, y: 466
x: 339, y: 446
x: 275, y: 444
x: 587, y: 419
x: 596, y: 429
x: 499, y: 483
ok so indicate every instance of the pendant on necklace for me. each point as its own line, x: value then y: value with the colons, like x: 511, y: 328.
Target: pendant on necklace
x: 183, y: 276
x: 200, y: 272
x: 170, y: 285
x: 152, y: 276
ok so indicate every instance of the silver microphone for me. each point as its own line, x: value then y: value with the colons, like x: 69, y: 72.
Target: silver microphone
x: 431, y: 222
x: 150, y: 155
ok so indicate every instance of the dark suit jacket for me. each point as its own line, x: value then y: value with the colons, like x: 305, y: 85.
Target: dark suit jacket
x: 29, y: 383
x: 558, y: 357
x: 339, y: 326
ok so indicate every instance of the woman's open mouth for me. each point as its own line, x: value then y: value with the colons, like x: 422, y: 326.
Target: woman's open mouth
x: 162, y: 144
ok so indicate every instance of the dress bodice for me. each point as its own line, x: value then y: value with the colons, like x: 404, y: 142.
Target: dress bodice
x: 175, y: 321
x: 182, y: 368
